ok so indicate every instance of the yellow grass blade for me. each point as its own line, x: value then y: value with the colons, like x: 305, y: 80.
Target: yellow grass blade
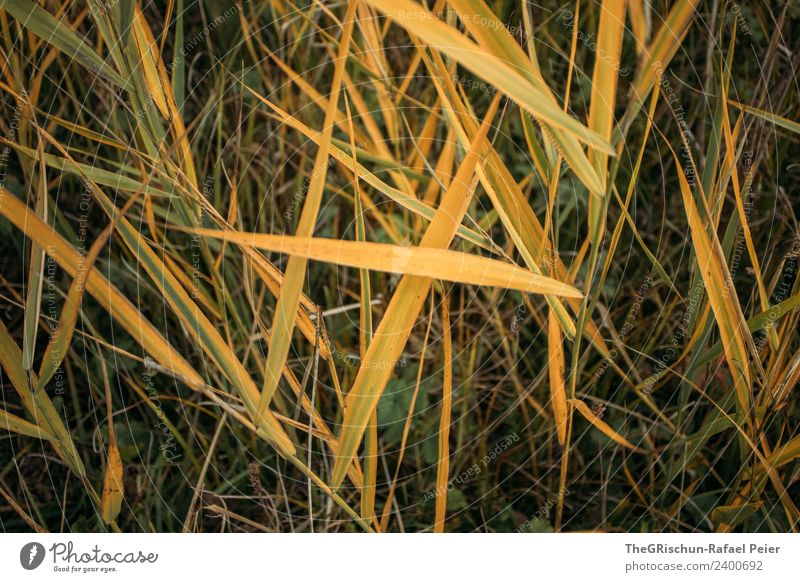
x: 292, y: 286
x: 443, y: 466
x: 147, y: 49
x: 600, y: 425
x: 482, y: 24
x: 38, y: 405
x: 610, y: 28
x: 721, y: 295
x: 421, y: 23
x: 555, y: 368
x: 507, y: 198
x: 398, y: 320
x: 113, y: 488
x: 21, y: 426
x: 640, y: 23
x: 662, y: 49
x: 420, y: 261
x: 111, y: 500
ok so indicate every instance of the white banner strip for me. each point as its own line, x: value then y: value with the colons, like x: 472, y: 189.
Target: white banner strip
x: 349, y: 557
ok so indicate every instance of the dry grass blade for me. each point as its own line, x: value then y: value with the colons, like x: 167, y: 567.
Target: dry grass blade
x: 495, y: 70
x: 481, y: 22
x: 601, y: 425
x: 21, y: 426
x: 113, y: 487
x: 662, y: 49
x: 38, y: 405
x: 398, y: 320
x: 443, y: 465
x: 292, y: 286
x: 147, y: 49
x: 420, y: 261
x: 725, y: 304
x: 556, y: 368
x: 610, y: 28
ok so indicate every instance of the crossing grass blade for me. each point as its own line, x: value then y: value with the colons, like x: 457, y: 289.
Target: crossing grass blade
x: 610, y: 28
x: 57, y: 33
x: 395, y: 326
x: 725, y: 304
x: 494, y: 69
x: 292, y: 286
x: 481, y: 22
x: 13, y: 423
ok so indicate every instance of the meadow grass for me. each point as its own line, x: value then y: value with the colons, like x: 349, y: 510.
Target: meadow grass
x: 388, y: 266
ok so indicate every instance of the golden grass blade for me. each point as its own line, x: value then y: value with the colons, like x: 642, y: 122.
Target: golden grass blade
x: 556, y: 368
x: 419, y: 261
x: 147, y: 49
x: 111, y: 500
x: 21, y: 426
x: 610, y: 28
x: 493, y: 69
x: 113, y: 488
x: 600, y: 425
x: 443, y: 466
x: 294, y: 277
x: 398, y: 320
x: 507, y: 198
x: 730, y: 163
x: 640, y: 23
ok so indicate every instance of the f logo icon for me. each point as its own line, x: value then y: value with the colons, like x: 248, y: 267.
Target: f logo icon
x: 31, y: 555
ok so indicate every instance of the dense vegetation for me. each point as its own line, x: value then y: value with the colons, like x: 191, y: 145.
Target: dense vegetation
x: 374, y: 265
